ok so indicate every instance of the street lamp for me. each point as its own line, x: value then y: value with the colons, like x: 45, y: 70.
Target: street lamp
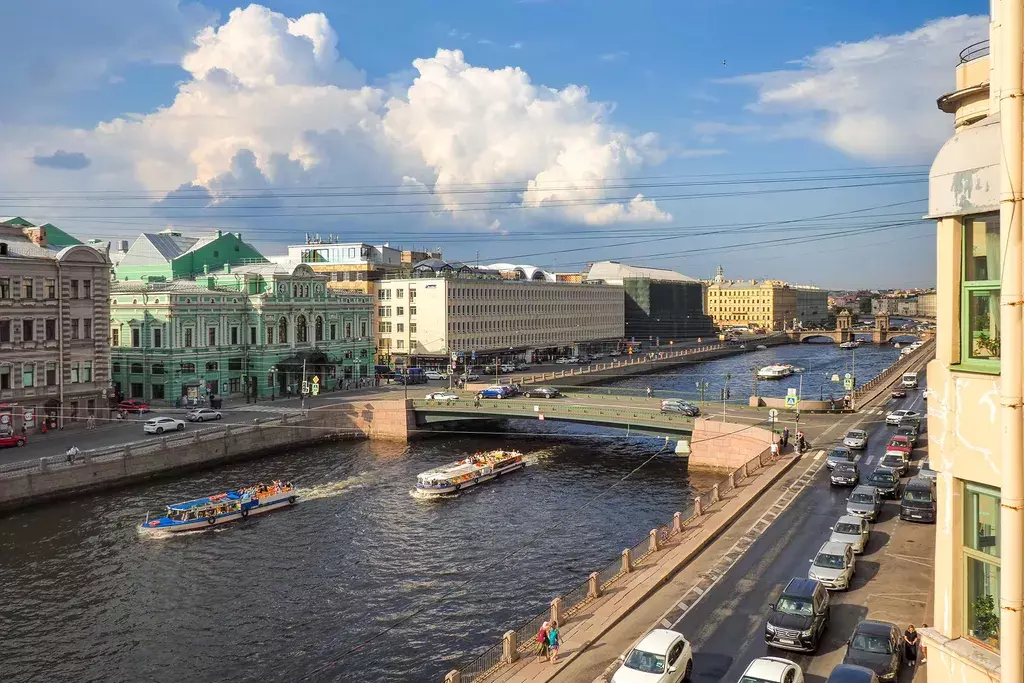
x: 702, y: 386
x: 273, y: 382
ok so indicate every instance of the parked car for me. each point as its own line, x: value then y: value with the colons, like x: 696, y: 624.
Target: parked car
x: 875, y: 645
x: 845, y: 474
x: 834, y: 565
x: 895, y: 460
x: 918, y: 503
x: 865, y: 502
x: 837, y: 455
x: 520, y: 367
x: 507, y: 367
x: 856, y: 439
x: 894, y: 417
x: 159, y: 425
x: 886, y: 481
x: 899, y: 392
x: 562, y: 361
x: 469, y: 377
x: 850, y: 673
x: 925, y: 471
x: 202, y: 415
x: 442, y: 396
x: 675, y: 405
x: 772, y: 670
x: 542, y: 392
x: 10, y: 440
x: 496, y: 391
x: 614, y: 354
x: 900, y: 443
x: 435, y: 374
x: 663, y: 656
x: 133, y: 406
x: 909, y: 431
x: 799, y: 617
x: 853, y: 530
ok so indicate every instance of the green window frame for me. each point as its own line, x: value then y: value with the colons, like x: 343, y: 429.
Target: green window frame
x: 981, y: 563
x: 979, y: 294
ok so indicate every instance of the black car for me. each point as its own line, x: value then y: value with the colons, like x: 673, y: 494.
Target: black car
x: 845, y: 474
x: 875, y: 645
x: 850, y: 673
x: 542, y: 392
x: 886, y: 481
x: 908, y: 430
x: 799, y: 618
x: 674, y: 405
x: 918, y: 504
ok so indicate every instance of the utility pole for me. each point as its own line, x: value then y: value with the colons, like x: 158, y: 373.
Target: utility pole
x: 725, y: 393
x: 302, y: 387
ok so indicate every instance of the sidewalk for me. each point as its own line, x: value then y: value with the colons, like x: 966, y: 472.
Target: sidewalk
x: 596, y: 617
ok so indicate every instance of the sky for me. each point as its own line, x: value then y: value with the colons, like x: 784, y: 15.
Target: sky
x: 787, y: 139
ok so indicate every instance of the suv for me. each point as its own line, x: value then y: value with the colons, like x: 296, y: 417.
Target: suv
x: 798, y: 619
x: 834, y: 565
x: 918, y: 502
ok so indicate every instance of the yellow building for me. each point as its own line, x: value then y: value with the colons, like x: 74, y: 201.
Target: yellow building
x: 353, y: 267
x: 974, y: 394
x: 764, y: 304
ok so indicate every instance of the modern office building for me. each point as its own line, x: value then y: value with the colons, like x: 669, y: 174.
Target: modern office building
x: 660, y: 304
x: 446, y: 308
x: 926, y: 305
x: 758, y: 304
x: 974, y: 405
x: 53, y: 328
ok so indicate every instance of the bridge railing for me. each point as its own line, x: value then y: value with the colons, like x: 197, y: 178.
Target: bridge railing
x: 631, y: 416
x: 496, y: 658
x: 890, y: 372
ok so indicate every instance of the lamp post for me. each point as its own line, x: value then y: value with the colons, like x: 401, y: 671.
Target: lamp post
x: 702, y: 386
x: 273, y: 381
x: 725, y: 393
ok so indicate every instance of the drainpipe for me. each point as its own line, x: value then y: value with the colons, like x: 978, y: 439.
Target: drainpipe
x: 1011, y: 518
x: 60, y: 345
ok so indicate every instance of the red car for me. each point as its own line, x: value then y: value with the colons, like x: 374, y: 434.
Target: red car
x: 900, y: 443
x: 8, y: 440
x: 133, y: 406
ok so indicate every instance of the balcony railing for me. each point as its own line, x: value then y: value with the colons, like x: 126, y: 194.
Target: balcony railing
x: 974, y: 51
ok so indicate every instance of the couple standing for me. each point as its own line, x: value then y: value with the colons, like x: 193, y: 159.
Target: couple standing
x: 549, y: 639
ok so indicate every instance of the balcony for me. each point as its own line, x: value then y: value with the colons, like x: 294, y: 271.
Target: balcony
x: 969, y: 102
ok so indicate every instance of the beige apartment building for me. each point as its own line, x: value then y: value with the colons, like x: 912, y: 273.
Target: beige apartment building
x: 352, y: 267
x: 974, y: 392
x: 54, y: 313
x: 761, y: 304
x: 447, y: 308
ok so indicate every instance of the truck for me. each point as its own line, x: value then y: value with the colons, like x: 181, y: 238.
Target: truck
x: 909, y: 380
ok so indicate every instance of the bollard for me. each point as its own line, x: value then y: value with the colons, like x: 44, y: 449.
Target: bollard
x: 509, y: 647
x: 653, y: 544
x: 594, y: 585
x: 42, y: 464
x: 453, y: 677
x: 556, y: 611
x: 732, y: 480
x: 677, y: 523
x: 714, y: 494
x: 743, y: 471
x: 627, y: 564
x: 698, y: 507
x: 127, y: 451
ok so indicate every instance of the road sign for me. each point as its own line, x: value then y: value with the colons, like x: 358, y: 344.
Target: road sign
x: 791, y: 401
x: 791, y: 392
x: 316, y: 389
x: 848, y: 384
x: 773, y: 413
x: 541, y: 416
x: 455, y: 356
x: 473, y: 356
x: 316, y: 379
x: 847, y: 376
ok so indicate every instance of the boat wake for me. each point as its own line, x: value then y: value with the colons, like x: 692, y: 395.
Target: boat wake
x: 329, y: 489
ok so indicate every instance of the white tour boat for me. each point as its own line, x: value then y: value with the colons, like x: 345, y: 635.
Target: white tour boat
x: 777, y: 371
x: 228, y: 506
x: 849, y: 345
x: 475, y: 469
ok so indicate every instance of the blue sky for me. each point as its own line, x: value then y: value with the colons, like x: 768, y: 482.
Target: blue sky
x: 278, y: 122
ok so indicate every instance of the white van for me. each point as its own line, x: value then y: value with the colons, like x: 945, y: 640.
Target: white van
x: 910, y: 380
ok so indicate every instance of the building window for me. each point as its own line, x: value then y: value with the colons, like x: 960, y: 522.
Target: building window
x: 348, y: 330
x: 234, y: 364
x: 318, y: 329
x: 74, y: 373
x: 74, y: 289
x: 212, y: 366
x: 51, y: 374
x: 87, y: 289
x: 981, y: 552
x: 28, y: 326
x: 400, y: 310
x: 188, y: 337
x: 26, y: 288
x: 979, y: 315
x: 5, y: 376
x: 158, y: 368
x: 334, y: 332
x: 87, y: 328
x: 115, y: 368
x: 252, y: 335
x: 270, y: 334
x: 399, y: 327
x: 235, y: 385
x: 211, y: 336
x: 87, y: 371
x: 412, y: 309
x: 51, y: 288
x: 234, y: 336
x: 188, y: 368
x: 301, y: 330
x: 400, y: 344
x: 5, y: 288
x: 282, y: 331
x: 115, y: 337
x: 412, y: 328
x: 158, y: 337
x: 28, y: 375
x: 362, y: 329
x: 135, y: 368
x: 51, y: 329
x: 158, y: 391
x: 74, y: 328
x: 136, y: 337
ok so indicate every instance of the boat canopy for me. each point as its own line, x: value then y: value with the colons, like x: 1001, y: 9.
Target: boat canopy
x: 210, y: 500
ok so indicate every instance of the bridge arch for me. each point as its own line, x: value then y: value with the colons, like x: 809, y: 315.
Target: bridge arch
x: 826, y: 337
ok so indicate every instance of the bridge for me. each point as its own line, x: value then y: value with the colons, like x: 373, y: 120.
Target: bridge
x: 844, y: 332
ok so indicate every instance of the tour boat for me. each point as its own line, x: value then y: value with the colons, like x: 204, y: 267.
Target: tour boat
x: 849, y: 345
x: 229, y: 506
x: 475, y: 469
x: 776, y: 371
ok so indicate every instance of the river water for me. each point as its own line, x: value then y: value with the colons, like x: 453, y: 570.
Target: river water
x: 287, y: 596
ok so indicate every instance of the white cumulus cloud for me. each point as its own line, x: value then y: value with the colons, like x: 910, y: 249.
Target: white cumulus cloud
x: 873, y: 99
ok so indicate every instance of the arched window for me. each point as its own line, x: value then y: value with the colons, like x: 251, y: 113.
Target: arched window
x: 282, y: 331
x: 301, y: 330
x: 319, y: 333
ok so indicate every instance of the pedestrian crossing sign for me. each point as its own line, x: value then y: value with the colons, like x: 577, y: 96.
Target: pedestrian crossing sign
x: 848, y: 383
x: 791, y: 401
x: 316, y: 389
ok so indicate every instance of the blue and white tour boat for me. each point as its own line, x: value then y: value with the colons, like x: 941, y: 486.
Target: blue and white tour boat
x: 473, y: 470
x: 229, y: 506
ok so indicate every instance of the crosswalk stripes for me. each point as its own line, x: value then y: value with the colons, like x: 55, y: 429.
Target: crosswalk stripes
x: 281, y: 410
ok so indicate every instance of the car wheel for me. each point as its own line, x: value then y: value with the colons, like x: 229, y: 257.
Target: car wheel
x: 219, y: 416
x: 688, y: 671
x: 159, y: 430
x: 180, y: 427
x: 199, y: 419
x: 19, y: 443
x: 527, y: 394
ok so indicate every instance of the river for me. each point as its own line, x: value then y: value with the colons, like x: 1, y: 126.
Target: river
x: 288, y: 595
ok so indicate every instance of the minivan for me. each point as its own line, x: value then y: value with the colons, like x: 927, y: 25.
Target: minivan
x: 910, y: 380
x: 918, y: 503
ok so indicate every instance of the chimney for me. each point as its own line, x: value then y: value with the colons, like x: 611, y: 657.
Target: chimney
x: 238, y: 235
x: 124, y: 246
x: 227, y: 267
x: 219, y: 233
x: 206, y: 269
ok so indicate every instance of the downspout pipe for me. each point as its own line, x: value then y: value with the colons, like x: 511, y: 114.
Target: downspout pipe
x: 60, y: 344
x: 1011, y: 516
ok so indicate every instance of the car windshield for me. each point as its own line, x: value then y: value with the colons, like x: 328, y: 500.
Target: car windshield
x: 830, y: 561
x: 647, y: 662
x: 856, y: 434
x: 838, y: 454
x: 862, y: 498
x: 846, y: 468
x: 883, y: 477
x: 795, y: 606
x: 753, y: 679
x: 847, y: 528
x: 915, y: 496
x: 877, y: 644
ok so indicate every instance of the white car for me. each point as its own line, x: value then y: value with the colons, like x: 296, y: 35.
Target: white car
x: 507, y: 368
x: 562, y: 361
x: 442, y: 396
x: 895, y: 416
x: 203, y: 414
x: 159, y: 425
x: 856, y: 439
x: 772, y: 670
x: 614, y: 354
x: 434, y: 374
x: 662, y: 656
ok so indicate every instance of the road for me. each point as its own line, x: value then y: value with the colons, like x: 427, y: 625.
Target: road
x: 726, y: 622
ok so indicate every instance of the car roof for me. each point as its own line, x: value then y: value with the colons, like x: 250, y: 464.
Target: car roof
x: 863, y: 489
x: 850, y: 519
x: 919, y: 483
x: 658, y: 640
x: 874, y: 627
x: 833, y: 547
x: 768, y: 668
x: 850, y: 673
x: 882, y: 469
x: 800, y: 588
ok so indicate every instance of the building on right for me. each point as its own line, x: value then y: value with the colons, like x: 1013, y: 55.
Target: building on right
x: 975, y: 423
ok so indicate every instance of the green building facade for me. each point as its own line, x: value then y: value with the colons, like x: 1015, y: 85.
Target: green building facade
x: 241, y: 332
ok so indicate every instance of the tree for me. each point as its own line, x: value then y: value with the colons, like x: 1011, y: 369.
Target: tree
x: 865, y: 305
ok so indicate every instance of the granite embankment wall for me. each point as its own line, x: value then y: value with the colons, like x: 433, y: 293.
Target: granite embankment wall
x: 725, y: 445
x: 48, y: 478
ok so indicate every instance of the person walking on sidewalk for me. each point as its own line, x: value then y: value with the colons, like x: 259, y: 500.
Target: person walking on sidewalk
x: 910, y: 643
x: 554, y: 641
x: 542, y: 641
x: 785, y: 437
x: 775, y: 449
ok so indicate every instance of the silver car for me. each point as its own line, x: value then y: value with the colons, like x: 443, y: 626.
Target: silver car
x: 926, y: 471
x: 837, y: 455
x: 853, y: 530
x: 856, y: 439
x: 864, y: 501
x: 834, y: 565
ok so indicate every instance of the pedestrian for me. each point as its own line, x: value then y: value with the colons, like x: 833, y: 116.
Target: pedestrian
x: 554, y: 641
x: 785, y: 437
x: 910, y: 643
x: 542, y: 641
x: 831, y: 404
x: 924, y: 650
x: 775, y: 449
x: 71, y: 453
x: 649, y: 392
